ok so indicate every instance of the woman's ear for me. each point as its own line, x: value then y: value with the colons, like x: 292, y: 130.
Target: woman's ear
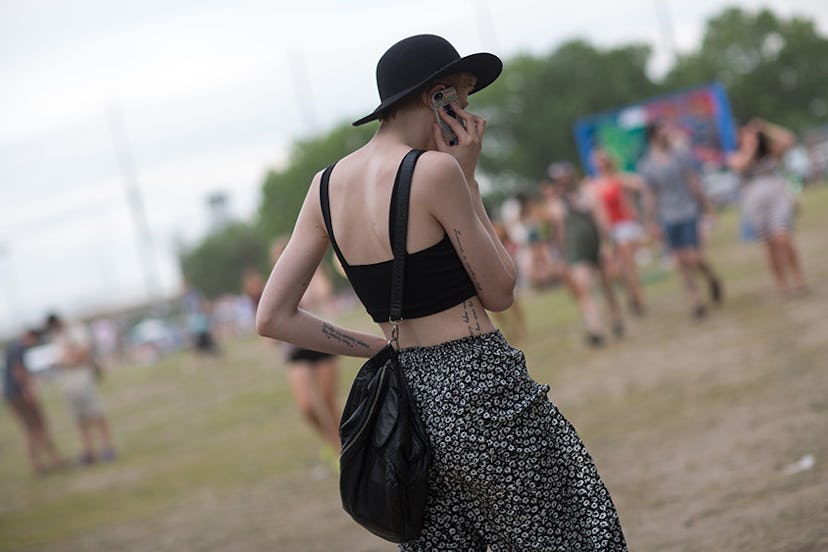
x: 429, y: 92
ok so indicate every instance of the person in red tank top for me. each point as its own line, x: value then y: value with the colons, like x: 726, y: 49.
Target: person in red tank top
x: 613, y: 188
x: 616, y: 203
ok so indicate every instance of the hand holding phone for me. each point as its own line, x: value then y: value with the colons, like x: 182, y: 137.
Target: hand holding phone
x: 466, y: 147
x: 442, y: 100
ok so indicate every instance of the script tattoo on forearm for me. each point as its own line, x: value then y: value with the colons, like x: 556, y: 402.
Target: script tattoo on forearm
x: 345, y: 338
x: 465, y: 259
x: 470, y: 317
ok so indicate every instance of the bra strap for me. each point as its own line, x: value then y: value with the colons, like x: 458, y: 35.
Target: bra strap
x: 324, y: 200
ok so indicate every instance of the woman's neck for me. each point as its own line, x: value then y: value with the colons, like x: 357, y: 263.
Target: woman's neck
x: 409, y: 128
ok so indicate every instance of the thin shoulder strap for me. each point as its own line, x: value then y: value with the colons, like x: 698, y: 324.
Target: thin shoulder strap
x: 402, y: 192
x: 324, y: 200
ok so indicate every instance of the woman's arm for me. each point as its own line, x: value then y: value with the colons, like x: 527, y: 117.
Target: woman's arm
x: 740, y: 160
x: 599, y: 213
x: 21, y: 376
x: 632, y: 182
x: 467, y: 152
x: 650, y: 206
x: 279, y: 315
x: 781, y: 139
x: 454, y: 205
x: 483, y: 216
x: 636, y: 184
x: 458, y: 207
x: 556, y: 215
x: 697, y: 189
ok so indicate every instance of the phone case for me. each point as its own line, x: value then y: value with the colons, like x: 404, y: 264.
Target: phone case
x: 442, y: 100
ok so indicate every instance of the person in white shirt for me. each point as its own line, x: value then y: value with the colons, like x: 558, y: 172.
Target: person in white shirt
x: 78, y: 371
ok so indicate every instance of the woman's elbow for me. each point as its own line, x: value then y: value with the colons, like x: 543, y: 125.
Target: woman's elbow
x: 262, y: 325
x: 267, y: 324
x: 499, y: 302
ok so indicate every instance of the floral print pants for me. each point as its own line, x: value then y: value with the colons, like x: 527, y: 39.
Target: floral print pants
x: 510, y: 473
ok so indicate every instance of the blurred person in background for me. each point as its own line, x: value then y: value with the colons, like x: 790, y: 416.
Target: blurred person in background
x: 198, y: 310
x: 509, y: 471
x: 108, y: 341
x: 513, y: 320
x: 767, y: 202
x: 581, y: 226
x: 253, y: 284
x: 77, y: 374
x: 313, y: 376
x: 615, y: 190
x: 673, y: 210
x: 511, y: 216
x: 20, y: 396
x: 539, y: 268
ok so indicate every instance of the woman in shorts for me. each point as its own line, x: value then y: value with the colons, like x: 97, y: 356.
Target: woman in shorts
x: 313, y: 375
x: 614, y: 189
x: 768, y: 204
x: 580, y: 227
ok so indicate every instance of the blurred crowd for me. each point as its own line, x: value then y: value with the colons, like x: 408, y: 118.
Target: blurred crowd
x: 596, y: 232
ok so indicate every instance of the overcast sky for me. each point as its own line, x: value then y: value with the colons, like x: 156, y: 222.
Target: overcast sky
x: 211, y: 95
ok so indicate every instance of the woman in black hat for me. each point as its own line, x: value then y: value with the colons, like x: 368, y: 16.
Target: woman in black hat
x: 509, y: 471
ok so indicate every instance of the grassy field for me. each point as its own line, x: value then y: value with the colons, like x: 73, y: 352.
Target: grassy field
x: 692, y: 425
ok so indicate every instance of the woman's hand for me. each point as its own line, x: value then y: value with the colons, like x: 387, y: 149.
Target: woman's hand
x: 469, y: 139
x: 756, y: 124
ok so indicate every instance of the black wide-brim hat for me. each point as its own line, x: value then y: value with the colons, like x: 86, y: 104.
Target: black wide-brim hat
x: 412, y: 63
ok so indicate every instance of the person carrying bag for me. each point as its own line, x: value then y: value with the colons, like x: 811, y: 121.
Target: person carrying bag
x: 489, y: 462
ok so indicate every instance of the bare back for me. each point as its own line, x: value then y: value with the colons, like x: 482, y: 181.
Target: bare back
x: 360, y: 196
x: 445, y: 206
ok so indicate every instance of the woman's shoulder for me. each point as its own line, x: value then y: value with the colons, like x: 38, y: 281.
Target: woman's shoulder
x: 439, y: 164
x: 438, y: 172
x: 594, y: 182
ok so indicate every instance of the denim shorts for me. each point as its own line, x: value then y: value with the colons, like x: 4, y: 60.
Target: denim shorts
x: 683, y: 234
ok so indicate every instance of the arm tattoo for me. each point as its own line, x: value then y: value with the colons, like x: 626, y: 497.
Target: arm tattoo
x: 470, y: 317
x: 338, y: 335
x: 469, y: 269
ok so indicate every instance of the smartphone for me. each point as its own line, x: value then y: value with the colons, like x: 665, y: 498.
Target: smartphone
x: 442, y: 101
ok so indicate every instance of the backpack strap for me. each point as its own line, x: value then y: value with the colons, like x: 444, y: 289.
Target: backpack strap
x: 401, y: 194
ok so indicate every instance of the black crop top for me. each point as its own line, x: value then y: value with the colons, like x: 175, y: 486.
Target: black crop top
x: 435, y: 279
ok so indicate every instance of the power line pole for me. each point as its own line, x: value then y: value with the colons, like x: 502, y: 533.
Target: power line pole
x: 15, y: 308
x: 303, y: 91
x: 146, y: 250
x: 485, y: 24
x: 665, y: 21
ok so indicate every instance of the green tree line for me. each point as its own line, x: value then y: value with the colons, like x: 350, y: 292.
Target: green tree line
x: 772, y: 67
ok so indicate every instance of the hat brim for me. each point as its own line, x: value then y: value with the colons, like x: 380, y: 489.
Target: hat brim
x: 485, y: 67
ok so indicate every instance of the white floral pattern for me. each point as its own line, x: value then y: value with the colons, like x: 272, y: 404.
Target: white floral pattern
x: 510, y: 472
